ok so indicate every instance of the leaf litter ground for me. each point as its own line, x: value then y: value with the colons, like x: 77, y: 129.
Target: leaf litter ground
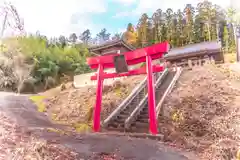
x: 202, y: 114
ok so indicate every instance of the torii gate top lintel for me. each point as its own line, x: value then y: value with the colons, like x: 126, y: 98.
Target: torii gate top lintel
x: 132, y: 57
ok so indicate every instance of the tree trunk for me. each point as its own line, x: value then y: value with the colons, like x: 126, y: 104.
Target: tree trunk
x: 209, y: 32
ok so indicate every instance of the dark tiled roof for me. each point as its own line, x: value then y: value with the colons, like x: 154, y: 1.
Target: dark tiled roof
x: 110, y: 44
x: 195, y: 48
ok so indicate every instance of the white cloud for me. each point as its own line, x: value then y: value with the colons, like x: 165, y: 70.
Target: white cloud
x: 235, y: 4
x: 53, y: 17
x: 84, y: 22
x: 126, y: 2
x: 123, y: 14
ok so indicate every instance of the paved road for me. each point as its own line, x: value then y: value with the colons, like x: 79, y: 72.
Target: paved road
x: 20, y: 109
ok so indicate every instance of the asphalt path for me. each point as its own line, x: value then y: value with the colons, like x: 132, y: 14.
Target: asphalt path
x: 24, y: 112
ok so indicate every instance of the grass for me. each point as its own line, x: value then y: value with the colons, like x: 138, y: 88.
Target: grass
x: 177, y: 116
x: 61, y: 132
x: 79, y: 127
x: 82, y: 127
x: 39, y: 101
x: 230, y: 57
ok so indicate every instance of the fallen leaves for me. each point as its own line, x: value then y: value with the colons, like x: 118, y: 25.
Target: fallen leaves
x: 201, y: 111
x: 17, y: 144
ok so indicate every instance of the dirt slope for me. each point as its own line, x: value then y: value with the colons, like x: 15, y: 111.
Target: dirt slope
x: 202, y: 114
x: 75, y: 106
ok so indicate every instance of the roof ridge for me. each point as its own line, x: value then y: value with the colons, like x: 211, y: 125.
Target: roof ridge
x: 111, y: 43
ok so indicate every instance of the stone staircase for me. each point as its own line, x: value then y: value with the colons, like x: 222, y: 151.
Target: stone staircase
x: 132, y: 114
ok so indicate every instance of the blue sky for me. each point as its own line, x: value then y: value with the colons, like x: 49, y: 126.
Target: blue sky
x: 55, y: 17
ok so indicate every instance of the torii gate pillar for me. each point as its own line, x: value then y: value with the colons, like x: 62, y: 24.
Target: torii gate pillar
x: 98, y: 104
x: 151, y: 96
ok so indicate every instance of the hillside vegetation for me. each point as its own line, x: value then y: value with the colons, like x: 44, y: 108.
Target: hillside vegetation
x: 29, y: 64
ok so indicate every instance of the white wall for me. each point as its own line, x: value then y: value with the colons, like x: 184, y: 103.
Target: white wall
x: 84, y: 79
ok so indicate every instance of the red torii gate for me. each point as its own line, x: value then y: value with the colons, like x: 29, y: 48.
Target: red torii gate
x: 146, y: 54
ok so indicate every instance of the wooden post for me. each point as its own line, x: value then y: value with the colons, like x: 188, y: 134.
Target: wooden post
x: 151, y: 97
x: 190, y: 64
x: 97, y: 109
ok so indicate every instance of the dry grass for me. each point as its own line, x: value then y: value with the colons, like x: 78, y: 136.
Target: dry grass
x: 202, y: 114
x: 227, y: 70
x: 74, y: 107
x: 230, y: 57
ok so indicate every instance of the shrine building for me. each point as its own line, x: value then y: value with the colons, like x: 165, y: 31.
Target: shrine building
x: 111, y: 47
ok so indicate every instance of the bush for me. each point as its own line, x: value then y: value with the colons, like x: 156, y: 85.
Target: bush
x: 46, y: 63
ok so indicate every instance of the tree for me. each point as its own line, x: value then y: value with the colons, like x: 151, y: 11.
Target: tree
x: 225, y: 37
x: 169, y: 23
x: 142, y: 31
x: 180, y: 29
x: 85, y: 36
x: 117, y: 36
x: 190, y: 25
x: 231, y: 14
x: 129, y: 35
x: 189, y: 15
x: 73, y: 38
x: 158, y: 25
x: 150, y: 33
x: 130, y: 27
x: 174, y: 36
x: 103, y: 35
x: 208, y: 14
x: 63, y: 41
x: 199, y: 29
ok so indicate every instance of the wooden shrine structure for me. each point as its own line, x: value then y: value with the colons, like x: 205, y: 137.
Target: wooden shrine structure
x: 196, y: 51
x: 111, y: 47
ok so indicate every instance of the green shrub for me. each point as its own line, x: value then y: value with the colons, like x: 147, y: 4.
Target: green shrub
x: 50, y: 61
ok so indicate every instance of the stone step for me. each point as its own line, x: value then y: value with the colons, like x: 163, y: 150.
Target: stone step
x: 111, y: 128
x: 143, y: 120
x: 134, y: 128
x: 143, y: 116
x: 124, y: 113
x: 120, y: 120
x: 122, y: 116
x: 144, y: 113
x: 141, y: 124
